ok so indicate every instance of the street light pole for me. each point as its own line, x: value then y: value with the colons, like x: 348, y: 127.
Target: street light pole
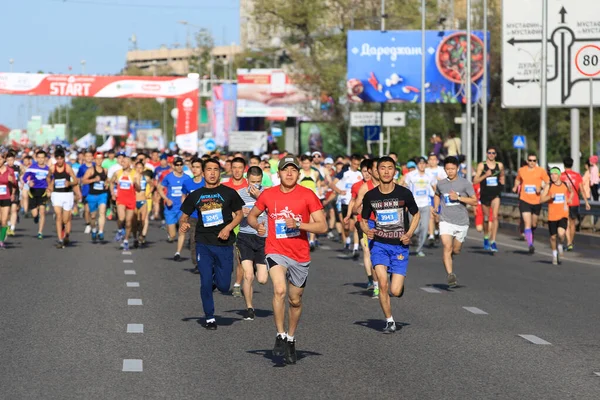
x: 469, y: 155
x: 82, y: 67
x: 544, y: 85
x: 484, y: 85
x: 382, y: 104
x: 423, y: 21
x: 11, y: 62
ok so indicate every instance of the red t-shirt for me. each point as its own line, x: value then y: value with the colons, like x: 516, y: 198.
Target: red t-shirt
x: 354, y: 193
x: 574, y: 183
x: 297, y: 204
x: 230, y: 184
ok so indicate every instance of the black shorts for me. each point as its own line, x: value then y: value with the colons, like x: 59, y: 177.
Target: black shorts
x: 5, y: 203
x: 554, y: 225
x: 37, y: 198
x: 17, y: 199
x: 530, y: 208
x: 251, y: 247
x: 487, y: 198
x: 574, y: 212
x: 344, y: 210
x: 358, y: 230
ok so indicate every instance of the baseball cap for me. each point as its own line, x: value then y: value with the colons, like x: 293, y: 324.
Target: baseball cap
x: 98, y: 154
x: 411, y: 164
x: 432, y: 154
x: 265, y: 157
x: 288, y: 160
x: 178, y: 160
x: 329, y: 160
x: 121, y: 154
x: 316, y: 153
x: 275, y: 152
x: 73, y: 156
x: 163, y: 156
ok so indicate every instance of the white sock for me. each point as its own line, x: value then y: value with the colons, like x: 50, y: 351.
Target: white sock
x: 355, y: 246
x: 560, y: 248
x: 94, y: 230
x: 12, y: 227
x: 234, y: 285
x: 290, y: 338
x: 348, y: 240
x: 437, y: 232
x: 554, y: 253
x: 283, y: 335
x: 430, y: 236
x: 210, y: 320
x: 390, y: 319
x: 376, y: 285
x: 125, y: 241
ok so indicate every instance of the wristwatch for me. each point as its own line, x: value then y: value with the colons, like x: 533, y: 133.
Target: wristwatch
x: 298, y: 223
x: 458, y: 197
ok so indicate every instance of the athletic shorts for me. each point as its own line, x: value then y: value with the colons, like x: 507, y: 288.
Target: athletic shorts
x: 139, y: 204
x: 554, y: 225
x: 344, y: 210
x: 17, y: 199
x: 364, y: 236
x: 172, y: 215
x: 479, y: 220
x: 251, y: 248
x: 525, y: 207
x: 37, y: 198
x: 5, y: 203
x: 574, y: 212
x: 296, y: 272
x: 94, y: 201
x: 393, y: 256
x: 487, y: 198
x: 459, y: 232
x: 129, y: 203
x: 63, y: 200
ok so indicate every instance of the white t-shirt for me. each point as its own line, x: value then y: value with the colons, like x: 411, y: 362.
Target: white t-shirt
x: 437, y: 173
x: 348, y: 179
x: 113, y: 170
x: 421, y: 187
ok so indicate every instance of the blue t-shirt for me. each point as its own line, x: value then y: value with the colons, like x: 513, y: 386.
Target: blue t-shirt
x: 174, y: 186
x: 85, y: 189
x: 189, y: 187
x: 38, y: 175
x: 159, y: 170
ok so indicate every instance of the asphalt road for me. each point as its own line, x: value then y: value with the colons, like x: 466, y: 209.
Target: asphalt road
x: 65, y: 316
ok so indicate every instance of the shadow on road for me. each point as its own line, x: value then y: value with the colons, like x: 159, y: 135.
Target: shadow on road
x: 257, y: 311
x: 521, y: 252
x: 278, y: 362
x: 444, y: 287
x: 221, y: 321
x: 379, y: 324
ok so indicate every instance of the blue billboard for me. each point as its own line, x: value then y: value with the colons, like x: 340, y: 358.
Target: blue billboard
x: 386, y: 66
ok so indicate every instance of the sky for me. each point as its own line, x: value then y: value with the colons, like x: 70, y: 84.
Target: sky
x: 53, y: 35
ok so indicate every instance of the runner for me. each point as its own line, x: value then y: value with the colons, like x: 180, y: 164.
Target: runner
x: 158, y: 174
x: 532, y: 179
x: 437, y: 173
x: 421, y: 185
x: 97, y: 199
x: 88, y: 163
x: 490, y: 176
x: 575, y: 182
x: 454, y: 193
x: 391, y: 204
x: 250, y: 245
x: 27, y: 161
x: 311, y: 178
x: 365, y: 166
x: 558, y: 195
x: 170, y: 191
x: 16, y: 200
x: 35, y: 177
x: 290, y: 209
x: 125, y: 183
x: 8, y: 185
x: 342, y: 185
x: 142, y: 197
x: 61, y: 181
x: 216, y: 205
x: 190, y: 186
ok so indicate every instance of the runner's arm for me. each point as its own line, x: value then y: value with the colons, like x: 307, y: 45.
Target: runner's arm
x: 161, y: 191
x: 50, y: 180
x: 545, y: 196
x: 318, y: 224
x: 86, y: 180
x: 436, y: 202
x: 502, y: 177
x: 469, y: 200
x: 479, y: 177
x: 582, y: 191
x: 350, y: 210
x: 358, y: 204
x: 518, y: 181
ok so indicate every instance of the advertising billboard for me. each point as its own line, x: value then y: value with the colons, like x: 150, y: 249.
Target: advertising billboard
x: 385, y: 67
x: 268, y: 93
x: 111, y: 125
x: 149, y: 139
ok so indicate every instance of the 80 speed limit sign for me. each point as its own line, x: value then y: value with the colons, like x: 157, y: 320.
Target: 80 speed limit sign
x: 587, y: 60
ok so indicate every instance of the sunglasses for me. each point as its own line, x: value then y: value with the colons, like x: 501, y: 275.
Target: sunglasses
x: 178, y: 165
x: 492, y: 152
x: 532, y: 160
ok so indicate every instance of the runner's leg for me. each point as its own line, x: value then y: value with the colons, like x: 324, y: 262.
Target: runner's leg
x: 384, y: 294
x: 295, y: 310
x: 277, y: 274
x: 448, y: 243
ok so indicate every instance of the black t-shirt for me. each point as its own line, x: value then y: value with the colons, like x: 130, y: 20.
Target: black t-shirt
x: 215, y: 210
x: 391, y: 212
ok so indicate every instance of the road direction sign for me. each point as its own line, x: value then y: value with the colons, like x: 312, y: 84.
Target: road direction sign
x: 372, y: 133
x: 519, y: 142
x: 572, y: 26
x: 371, y: 118
x: 210, y: 145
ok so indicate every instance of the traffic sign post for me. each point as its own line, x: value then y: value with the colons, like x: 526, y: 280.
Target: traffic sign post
x: 587, y: 61
x: 360, y: 119
x: 519, y: 143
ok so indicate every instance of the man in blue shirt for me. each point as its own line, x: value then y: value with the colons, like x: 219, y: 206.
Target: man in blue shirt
x: 158, y: 172
x: 188, y: 187
x: 171, y: 190
x: 36, y: 177
x: 85, y: 189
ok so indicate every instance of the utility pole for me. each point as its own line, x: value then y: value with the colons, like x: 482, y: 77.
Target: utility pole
x: 423, y: 21
x: 383, y: 17
x: 469, y: 155
x: 484, y: 85
x: 544, y: 86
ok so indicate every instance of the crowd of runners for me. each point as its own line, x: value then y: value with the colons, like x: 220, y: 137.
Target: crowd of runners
x: 261, y: 216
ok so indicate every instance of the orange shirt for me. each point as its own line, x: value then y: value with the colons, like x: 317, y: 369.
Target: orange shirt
x: 531, y: 183
x: 558, y: 208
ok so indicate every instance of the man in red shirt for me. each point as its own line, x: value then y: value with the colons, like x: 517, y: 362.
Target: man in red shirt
x: 574, y: 181
x: 292, y: 212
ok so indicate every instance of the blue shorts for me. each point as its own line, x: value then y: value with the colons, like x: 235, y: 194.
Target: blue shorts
x: 393, y: 256
x: 172, y: 215
x: 95, y: 200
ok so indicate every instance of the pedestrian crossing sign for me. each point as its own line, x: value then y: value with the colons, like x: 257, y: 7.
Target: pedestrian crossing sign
x: 519, y: 142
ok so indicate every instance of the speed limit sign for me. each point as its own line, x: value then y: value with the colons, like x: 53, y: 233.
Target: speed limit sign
x: 587, y: 60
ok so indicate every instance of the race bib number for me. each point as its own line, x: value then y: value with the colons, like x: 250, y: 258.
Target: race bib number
x: 98, y: 185
x: 41, y: 175
x: 348, y: 186
x: 176, y: 191
x: 3, y: 190
x: 387, y: 217
x: 124, y: 185
x: 60, y: 183
x: 212, y: 217
x: 530, y: 189
x: 491, y: 181
x: 421, y: 192
x: 283, y: 232
x: 143, y: 184
x: 449, y: 202
x: 559, y: 198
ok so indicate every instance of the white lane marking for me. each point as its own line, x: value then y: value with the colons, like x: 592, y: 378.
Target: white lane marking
x: 132, y: 365
x: 135, y: 328
x: 134, y: 302
x: 430, y: 290
x: 597, y: 373
x: 534, y: 339
x: 475, y: 310
x: 564, y: 259
x: 325, y: 247
x: 126, y: 253
x: 128, y: 261
x: 133, y: 284
x: 129, y: 272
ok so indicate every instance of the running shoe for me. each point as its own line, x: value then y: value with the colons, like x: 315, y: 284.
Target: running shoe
x: 290, y: 352
x: 10, y: 232
x: 169, y: 239
x: 431, y: 242
x: 60, y: 244
x: 2, y: 246
x: 355, y: 254
x: 375, y: 293
x: 279, y: 348
x: 237, y: 291
x: 136, y: 244
x: 531, y: 249
x: 66, y: 239
x: 452, y: 281
x: 330, y: 235
x: 119, y: 235
x: 390, y: 327
x: 94, y: 236
x: 420, y: 254
x: 486, y: 244
x: 249, y: 314
x: 494, y: 247
x: 36, y: 219
x: 570, y: 247
x: 88, y: 229
x: 211, y: 326
x: 101, y: 236
x: 370, y: 285
x: 142, y: 240
x: 177, y: 257
x: 126, y: 246
x: 40, y: 236
x: 554, y: 260
x: 312, y: 246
